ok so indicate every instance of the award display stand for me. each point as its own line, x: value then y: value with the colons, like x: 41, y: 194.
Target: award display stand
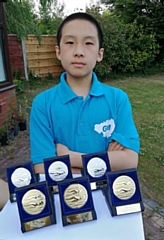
x: 95, y: 167
x: 36, y: 206
x: 57, y: 169
x: 19, y: 175
x: 76, y: 201
x: 122, y: 193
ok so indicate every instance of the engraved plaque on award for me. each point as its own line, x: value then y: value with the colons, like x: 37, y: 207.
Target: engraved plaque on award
x: 76, y: 201
x: 95, y: 167
x: 122, y: 193
x: 18, y: 176
x: 57, y: 169
x: 36, y: 206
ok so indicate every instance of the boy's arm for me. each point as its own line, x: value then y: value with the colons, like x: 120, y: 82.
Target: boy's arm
x: 119, y: 158
x: 39, y: 168
x: 75, y: 159
x: 4, y: 193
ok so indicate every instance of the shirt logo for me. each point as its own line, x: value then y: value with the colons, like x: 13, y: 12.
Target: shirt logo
x: 106, y: 128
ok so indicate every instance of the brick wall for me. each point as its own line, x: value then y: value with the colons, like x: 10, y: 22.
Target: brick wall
x: 7, y: 101
x: 16, y: 55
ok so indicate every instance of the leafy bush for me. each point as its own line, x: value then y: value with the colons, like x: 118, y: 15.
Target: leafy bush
x: 20, y: 85
x: 127, y: 47
x: 142, y: 48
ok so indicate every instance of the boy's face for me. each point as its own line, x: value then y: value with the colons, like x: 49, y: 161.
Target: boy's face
x: 79, y: 48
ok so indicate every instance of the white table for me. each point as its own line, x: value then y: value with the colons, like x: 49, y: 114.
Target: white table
x: 124, y: 227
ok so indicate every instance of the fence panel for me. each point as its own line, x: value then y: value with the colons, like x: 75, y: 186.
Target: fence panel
x: 41, y: 58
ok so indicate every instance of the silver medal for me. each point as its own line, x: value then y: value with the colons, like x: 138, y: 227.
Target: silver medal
x: 21, y: 177
x: 96, y: 167
x: 58, y: 171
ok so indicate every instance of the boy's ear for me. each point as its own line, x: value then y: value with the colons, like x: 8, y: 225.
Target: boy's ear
x: 57, y: 52
x: 100, y: 54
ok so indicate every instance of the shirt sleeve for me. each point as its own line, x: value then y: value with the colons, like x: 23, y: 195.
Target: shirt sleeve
x: 125, y: 130
x: 41, y: 132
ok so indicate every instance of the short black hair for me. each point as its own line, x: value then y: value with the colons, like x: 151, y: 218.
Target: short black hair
x: 83, y: 16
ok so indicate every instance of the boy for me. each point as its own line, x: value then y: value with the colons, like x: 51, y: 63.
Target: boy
x: 81, y: 115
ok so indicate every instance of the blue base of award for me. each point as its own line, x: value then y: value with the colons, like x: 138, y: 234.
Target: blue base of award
x: 118, y: 206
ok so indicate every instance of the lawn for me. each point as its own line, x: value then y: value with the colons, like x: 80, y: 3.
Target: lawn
x: 147, y: 98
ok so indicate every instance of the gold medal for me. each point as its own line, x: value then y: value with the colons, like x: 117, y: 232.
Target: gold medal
x: 34, y: 201
x: 124, y: 187
x: 75, y: 195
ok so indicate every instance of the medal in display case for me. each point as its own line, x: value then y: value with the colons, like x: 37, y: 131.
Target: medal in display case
x: 36, y: 206
x: 57, y: 169
x: 76, y: 201
x: 95, y: 167
x: 122, y: 193
x: 19, y: 175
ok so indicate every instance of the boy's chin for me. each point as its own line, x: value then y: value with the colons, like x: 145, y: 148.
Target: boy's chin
x: 79, y: 75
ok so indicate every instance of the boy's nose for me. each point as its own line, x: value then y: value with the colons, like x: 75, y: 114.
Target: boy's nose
x: 79, y: 51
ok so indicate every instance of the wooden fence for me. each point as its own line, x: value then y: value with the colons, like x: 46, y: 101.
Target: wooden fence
x: 41, y: 58
x: 38, y: 58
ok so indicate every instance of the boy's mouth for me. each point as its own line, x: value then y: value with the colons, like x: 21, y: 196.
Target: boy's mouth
x: 78, y: 64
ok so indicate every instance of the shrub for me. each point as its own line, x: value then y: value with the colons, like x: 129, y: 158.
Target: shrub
x: 127, y: 47
x: 19, y: 85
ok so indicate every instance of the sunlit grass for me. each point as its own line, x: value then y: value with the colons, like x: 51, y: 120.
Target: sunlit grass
x: 147, y: 99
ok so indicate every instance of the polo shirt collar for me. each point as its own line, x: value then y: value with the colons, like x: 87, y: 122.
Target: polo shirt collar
x: 97, y: 87
x: 66, y: 93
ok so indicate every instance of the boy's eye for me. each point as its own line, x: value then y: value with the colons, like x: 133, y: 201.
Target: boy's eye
x: 69, y: 42
x: 89, y: 43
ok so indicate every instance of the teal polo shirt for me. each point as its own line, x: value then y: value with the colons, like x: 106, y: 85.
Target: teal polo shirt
x: 87, y: 125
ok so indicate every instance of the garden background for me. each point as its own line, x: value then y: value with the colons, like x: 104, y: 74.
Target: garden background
x: 133, y: 61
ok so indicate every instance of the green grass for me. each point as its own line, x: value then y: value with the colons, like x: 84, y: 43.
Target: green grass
x: 147, y: 98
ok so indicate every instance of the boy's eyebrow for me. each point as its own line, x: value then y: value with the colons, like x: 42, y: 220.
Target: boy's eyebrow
x: 68, y: 36
x: 92, y: 37
x: 72, y: 36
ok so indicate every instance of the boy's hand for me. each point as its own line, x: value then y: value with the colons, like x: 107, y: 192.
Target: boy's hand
x: 115, y: 146
x: 62, y: 149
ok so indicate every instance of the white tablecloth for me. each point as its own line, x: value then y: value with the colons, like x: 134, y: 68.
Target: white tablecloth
x: 125, y: 227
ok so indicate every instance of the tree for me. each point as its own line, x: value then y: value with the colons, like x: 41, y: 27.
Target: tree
x: 149, y: 13
x: 23, y: 19
x: 49, y: 17
x: 20, y: 19
x: 128, y: 48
